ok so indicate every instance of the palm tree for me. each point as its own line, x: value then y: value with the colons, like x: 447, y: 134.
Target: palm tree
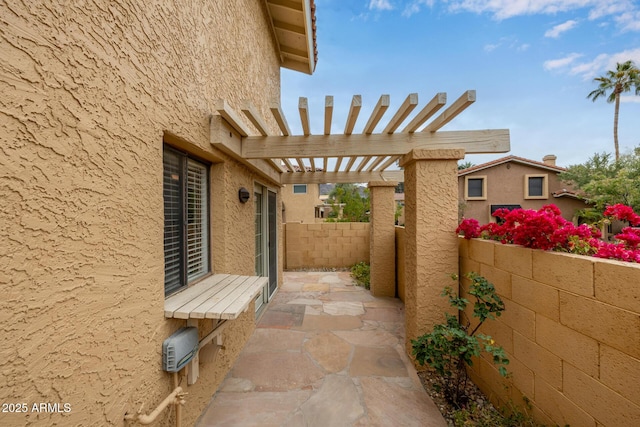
x: 625, y: 77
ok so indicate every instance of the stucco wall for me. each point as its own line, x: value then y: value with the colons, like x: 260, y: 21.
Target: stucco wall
x: 89, y: 89
x: 326, y: 245
x: 571, y: 329
x: 382, y: 240
x: 301, y: 207
x: 431, y: 248
x: 505, y: 185
x: 400, y: 271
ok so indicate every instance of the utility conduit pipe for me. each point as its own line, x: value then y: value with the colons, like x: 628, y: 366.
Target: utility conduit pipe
x: 175, y: 398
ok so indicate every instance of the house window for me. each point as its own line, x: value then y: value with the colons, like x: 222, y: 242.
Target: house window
x: 535, y: 187
x: 475, y: 188
x: 186, y: 219
x: 299, y: 188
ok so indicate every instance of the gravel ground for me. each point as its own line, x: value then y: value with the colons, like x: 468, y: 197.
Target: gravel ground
x: 479, y: 410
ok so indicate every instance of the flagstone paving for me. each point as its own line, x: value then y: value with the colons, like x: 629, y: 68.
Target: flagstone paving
x: 325, y: 353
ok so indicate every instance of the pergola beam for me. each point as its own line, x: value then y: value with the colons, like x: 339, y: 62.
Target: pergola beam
x: 231, y: 117
x: 254, y: 117
x: 341, y: 177
x: 466, y: 99
x: 303, y: 108
x: 377, y: 113
x: 474, y: 141
x: 375, y: 163
x: 354, y: 111
x: 278, y: 115
x: 405, y: 109
x: 425, y: 114
x: 328, y: 114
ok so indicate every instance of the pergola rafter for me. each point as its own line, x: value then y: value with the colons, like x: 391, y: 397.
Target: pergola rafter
x: 357, y: 157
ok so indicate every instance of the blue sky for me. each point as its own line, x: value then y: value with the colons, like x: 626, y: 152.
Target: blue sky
x: 532, y: 64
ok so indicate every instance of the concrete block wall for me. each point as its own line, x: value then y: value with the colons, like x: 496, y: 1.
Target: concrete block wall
x: 326, y: 245
x: 571, y: 329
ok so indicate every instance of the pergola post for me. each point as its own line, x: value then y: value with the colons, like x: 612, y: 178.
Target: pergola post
x: 382, y: 251
x: 431, y: 246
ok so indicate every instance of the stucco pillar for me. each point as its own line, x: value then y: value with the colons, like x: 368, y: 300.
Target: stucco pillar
x: 382, y: 242
x: 431, y: 245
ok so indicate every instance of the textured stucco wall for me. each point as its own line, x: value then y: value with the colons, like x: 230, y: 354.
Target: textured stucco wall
x: 383, y: 239
x: 400, y: 270
x: 89, y: 89
x: 571, y: 330
x: 325, y: 245
x: 505, y: 185
x: 301, y: 207
x: 431, y: 249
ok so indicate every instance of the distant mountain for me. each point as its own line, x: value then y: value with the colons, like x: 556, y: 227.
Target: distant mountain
x: 325, y: 189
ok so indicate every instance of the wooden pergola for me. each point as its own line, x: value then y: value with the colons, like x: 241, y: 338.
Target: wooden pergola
x: 354, y: 157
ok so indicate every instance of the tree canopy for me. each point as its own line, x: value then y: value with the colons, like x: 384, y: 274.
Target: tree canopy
x: 604, y: 181
x: 623, y: 79
x: 354, y: 200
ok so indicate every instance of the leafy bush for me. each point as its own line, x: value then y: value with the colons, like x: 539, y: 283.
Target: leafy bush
x: 546, y: 229
x: 450, y: 348
x: 361, y: 272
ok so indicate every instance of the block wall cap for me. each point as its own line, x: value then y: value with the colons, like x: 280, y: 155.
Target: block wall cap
x: 383, y: 184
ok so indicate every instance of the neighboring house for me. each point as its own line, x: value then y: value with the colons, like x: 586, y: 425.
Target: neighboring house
x: 515, y: 182
x: 114, y: 116
x: 301, y: 203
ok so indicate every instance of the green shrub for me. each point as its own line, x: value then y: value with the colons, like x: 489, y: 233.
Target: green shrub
x: 360, y: 272
x: 449, y: 349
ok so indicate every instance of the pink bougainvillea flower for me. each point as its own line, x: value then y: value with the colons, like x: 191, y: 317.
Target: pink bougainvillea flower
x: 546, y: 229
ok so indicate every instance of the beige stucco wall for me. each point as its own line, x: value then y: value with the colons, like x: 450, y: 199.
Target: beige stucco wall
x: 505, y: 186
x: 89, y: 91
x: 431, y: 248
x: 301, y: 207
x: 571, y: 330
x: 383, y: 239
x: 326, y: 245
x: 400, y: 254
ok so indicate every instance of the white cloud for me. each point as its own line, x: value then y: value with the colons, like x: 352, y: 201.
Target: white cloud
x: 604, y: 62
x: 380, y: 5
x: 560, y: 28
x: 629, y: 21
x: 491, y: 47
x: 630, y: 99
x: 415, y: 6
x: 553, y: 64
x: 523, y: 47
x: 625, y: 12
x: 596, y: 67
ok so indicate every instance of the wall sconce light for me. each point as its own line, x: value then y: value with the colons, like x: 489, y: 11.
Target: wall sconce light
x: 243, y: 195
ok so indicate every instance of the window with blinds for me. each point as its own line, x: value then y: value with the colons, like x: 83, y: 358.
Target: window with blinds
x: 186, y: 220
x: 535, y: 187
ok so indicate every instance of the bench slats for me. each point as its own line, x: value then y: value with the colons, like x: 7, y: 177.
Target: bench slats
x: 176, y: 301
x: 231, y: 307
x: 221, y: 296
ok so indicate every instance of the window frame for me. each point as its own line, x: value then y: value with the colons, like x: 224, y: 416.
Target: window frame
x: 293, y: 188
x: 484, y: 187
x: 185, y: 158
x: 545, y: 187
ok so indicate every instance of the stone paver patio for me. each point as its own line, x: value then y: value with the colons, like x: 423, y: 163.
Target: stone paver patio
x: 325, y: 353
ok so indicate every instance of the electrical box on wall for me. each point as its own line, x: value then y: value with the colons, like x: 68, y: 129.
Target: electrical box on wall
x: 179, y: 349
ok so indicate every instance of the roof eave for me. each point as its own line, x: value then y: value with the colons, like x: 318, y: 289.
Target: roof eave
x: 303, y: 56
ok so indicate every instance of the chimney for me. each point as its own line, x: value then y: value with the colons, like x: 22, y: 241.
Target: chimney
x: 549, y: 160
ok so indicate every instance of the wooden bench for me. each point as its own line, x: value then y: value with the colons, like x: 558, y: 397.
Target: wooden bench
x: 220, y: 297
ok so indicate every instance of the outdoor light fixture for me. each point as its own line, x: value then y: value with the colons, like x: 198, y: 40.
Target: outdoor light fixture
x: 243, y: 195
